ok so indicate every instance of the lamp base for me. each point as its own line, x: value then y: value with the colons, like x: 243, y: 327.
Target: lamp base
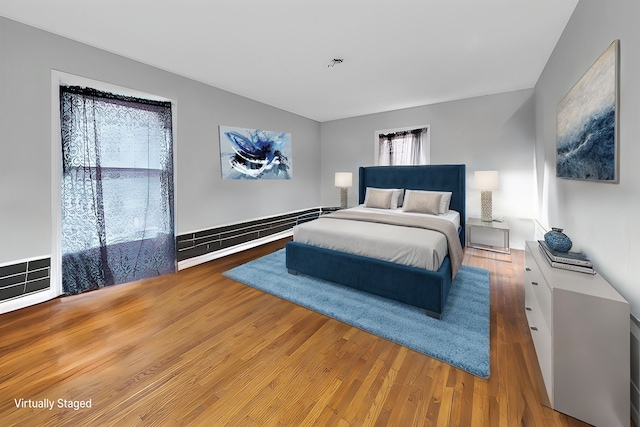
x: 485, y: 206
x: 343, y: 197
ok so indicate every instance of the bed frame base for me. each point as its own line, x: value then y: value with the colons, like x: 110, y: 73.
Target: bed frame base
x: 429, y: 312
x: 410, y: 285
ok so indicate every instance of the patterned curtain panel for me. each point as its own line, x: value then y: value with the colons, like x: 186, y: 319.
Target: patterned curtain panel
x: 117, y: 189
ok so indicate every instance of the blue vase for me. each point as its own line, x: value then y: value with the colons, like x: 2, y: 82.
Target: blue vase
x: 557, y: 240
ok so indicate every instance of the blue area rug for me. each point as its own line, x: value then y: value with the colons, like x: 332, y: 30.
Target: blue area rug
x: 460, y: 338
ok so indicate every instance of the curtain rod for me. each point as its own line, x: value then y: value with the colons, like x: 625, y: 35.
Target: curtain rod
x: 86, y: 91
x: 404, y: 132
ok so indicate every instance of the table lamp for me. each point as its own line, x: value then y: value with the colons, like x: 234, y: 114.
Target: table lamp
x: 344, y: 180
x: 486, y: 181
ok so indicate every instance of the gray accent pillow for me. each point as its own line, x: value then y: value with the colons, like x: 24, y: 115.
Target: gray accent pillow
x: 445, y: 201
x: 379, y: 199
x: 396, y: 198
x: 420, y: 202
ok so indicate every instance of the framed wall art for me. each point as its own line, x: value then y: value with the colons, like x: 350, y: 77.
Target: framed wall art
x: 587, y: 123
x: 254, y: 154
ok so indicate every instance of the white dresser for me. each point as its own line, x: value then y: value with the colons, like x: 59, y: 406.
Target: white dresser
x: 580, y: 329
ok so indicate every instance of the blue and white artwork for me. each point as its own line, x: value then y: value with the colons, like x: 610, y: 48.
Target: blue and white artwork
x: 586, y: 124
x: 254, y: 154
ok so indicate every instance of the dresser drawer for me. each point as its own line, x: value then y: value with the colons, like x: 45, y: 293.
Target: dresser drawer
x: 535, y: 316
x: 540, y: 334
x: 542, y: 341
x: 539, y: 286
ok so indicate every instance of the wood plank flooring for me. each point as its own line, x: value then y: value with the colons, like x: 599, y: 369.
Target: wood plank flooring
x: 195, y: 348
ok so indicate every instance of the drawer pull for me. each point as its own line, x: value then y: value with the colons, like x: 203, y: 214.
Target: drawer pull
x: 528, y: 308
x: 534, y: 283
x: 527, y: 269
x: 533, y: 328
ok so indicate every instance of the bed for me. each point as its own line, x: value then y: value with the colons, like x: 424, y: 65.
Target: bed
x: 417, y: 286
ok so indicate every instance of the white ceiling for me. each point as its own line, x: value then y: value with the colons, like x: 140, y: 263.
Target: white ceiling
x: 397, y: 53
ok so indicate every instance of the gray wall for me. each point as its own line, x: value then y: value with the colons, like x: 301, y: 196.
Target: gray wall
x: 493, y: 132
x: 203, y: 199
x: 602, y: 219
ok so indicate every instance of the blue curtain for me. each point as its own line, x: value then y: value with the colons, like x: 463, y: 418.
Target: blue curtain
x: 117, y: 189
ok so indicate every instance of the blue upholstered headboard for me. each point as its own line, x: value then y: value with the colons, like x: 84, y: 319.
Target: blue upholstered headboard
x: 431, y: 177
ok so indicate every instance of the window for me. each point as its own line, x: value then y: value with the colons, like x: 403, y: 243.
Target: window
x: 410, y: 146
x: 116, y: 190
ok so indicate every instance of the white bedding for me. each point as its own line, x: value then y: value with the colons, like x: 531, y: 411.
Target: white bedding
x: 412, y: 246
x: 452, y: 216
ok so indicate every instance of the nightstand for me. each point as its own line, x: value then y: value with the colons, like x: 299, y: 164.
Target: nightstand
x: 490, y: 236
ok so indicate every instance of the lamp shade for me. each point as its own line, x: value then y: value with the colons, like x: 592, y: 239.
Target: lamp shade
x: 486, y: 180
x: 344, y: 179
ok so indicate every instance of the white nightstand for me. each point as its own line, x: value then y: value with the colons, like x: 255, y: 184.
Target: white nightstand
x: 491, y: 236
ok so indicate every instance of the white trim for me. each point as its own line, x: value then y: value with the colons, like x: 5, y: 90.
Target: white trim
x: 191, y: 262
x: 55, y: 273
x: 26, y: 300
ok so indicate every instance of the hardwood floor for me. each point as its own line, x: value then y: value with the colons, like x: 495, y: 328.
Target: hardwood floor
x: 196, y: 348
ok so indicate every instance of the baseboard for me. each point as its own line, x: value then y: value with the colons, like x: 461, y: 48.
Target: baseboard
x: 204, y: 245
x: 26, y: 300
x: 191, y: 262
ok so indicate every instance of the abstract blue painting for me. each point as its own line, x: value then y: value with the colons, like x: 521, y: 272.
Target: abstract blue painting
x: 586, y: 141
x: 254, y: 154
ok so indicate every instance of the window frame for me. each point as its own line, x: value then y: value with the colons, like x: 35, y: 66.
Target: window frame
x: 377, y: 134
x: 59, y: 78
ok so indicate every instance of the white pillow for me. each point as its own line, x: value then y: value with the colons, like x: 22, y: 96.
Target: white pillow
x: 422, y: 202
x: 445, y: 200
x: 396, y: 197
